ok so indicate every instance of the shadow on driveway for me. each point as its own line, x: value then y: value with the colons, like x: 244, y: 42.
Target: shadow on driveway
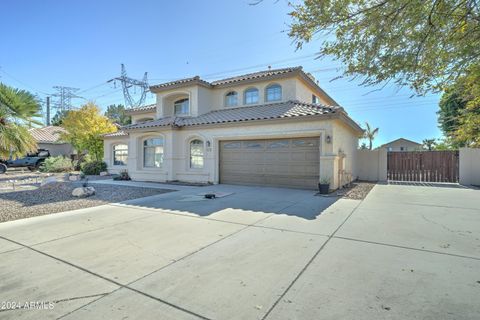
x: 292, y: 202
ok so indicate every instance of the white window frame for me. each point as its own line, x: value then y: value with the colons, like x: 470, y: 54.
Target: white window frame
x: 114, y: 151
x: 231, y: 94
x: 273, y: 86
x: 251, y: 89
x: 191, y: 155
x: 144, y: 147
x: 181, y: 103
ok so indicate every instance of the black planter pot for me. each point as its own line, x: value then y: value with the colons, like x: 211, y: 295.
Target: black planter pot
x: 323, y: 188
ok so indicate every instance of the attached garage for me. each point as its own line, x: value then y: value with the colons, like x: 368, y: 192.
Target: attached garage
x: 293, y: 163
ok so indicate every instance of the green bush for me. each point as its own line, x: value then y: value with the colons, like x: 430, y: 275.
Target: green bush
x: 57, y: 164
x: 93, y: 167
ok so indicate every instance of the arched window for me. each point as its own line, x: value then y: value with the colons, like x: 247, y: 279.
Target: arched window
x: 120, y: 154
x: 153, y: 152
x: 196, y: 154
x: 273, y: 93
x: 231, y: 99
x: 181, y: 107
x: 250, y: 96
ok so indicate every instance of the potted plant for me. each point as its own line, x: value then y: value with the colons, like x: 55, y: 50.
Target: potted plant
x: 324, y: 185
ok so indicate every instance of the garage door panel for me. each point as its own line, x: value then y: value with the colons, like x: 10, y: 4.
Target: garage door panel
x: 276, y: 162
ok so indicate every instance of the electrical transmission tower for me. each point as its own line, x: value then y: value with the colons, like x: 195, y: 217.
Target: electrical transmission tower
x: 128, y: 83
x: 65, y: 96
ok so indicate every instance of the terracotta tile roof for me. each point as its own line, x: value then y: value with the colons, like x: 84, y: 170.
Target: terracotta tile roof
x: 50, y: 134
x: 288, y: 109
x: 181, y: 82
x: 249, y: 76
x: 150, y: 107
x: 119, y: 133
x: 256, y: 75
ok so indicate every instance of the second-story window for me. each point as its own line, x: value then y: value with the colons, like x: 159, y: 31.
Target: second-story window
x: 273, y: 93
x: 181, y: 107
x: 251, y: 96
x: 231, y: 99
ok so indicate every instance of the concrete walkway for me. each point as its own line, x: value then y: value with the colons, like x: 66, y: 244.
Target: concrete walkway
x: 404, y: 252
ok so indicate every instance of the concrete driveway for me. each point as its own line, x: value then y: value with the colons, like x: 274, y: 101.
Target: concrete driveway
x: 404, y: 252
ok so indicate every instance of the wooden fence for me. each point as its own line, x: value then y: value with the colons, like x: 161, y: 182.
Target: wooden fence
x: 425, y: 166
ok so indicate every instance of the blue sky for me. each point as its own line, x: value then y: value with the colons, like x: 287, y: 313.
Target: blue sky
x: 82, y: 44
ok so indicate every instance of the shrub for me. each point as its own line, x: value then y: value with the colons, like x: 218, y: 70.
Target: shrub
x: 93, y: 167
x: 57, y: 164
x: 123, y: 176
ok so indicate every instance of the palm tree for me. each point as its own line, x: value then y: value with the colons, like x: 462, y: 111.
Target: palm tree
x: 18, y: 110
x: 429, y: 144
x: 370, y: 135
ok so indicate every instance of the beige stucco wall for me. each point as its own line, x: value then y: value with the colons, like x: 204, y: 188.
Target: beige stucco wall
x: 303, y: 92
x: 469, y: 163
x: 142, y: 117
x: 407, y: 145
x: 345, y: 144
x: 203, y: 99
x: 372, y: 165
x: 176, y: 148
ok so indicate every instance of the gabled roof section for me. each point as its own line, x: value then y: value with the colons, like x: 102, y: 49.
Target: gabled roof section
x: 270, y: 74
x: 142, y: 109
x: 119, y: 133
x: 49, y: 134
x: 256, y: 75
x: 275, y: 111
x: 383, y: 145
x: 180, y: 83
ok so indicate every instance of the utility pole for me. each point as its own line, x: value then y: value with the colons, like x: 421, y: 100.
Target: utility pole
x: 48, y: 110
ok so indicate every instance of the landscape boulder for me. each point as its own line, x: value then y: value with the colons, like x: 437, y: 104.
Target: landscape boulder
x: 48, y: 181
x: 104, y: 173
x: 83, y: 192
x: 74, y: 177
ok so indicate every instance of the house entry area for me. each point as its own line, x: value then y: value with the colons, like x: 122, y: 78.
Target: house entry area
x: 292, y: 163
x: 423, y: 166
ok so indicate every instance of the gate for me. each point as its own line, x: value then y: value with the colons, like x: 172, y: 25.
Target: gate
x: 425, y: 166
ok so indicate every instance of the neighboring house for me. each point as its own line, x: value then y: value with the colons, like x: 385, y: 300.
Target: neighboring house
x: 272, y: 128
x: 49, y: 138
x: 402, y: 144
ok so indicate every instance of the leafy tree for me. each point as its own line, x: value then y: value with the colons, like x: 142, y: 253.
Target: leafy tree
x: 425, y: 45
x: 370, y: 135
x: 468, y: 131
x: 363, y: 146
x: 429, y: 144
x: 57, y: 119
x: 85, y: 128
x: 445, y: 144
x: 451, y: 106
x: 117, y: 114
x: 19, y: 109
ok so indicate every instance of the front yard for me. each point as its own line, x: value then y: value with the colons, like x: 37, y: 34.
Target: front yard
x: 21, y: 195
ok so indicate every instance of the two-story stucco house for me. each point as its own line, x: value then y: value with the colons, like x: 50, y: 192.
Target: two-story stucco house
x: 272, y: 128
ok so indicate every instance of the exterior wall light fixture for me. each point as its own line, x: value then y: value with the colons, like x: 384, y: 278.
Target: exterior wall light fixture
x: 328, y: 139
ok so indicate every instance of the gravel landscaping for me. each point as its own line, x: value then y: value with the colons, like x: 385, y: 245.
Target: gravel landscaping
x: 357, y: 191
x: 58, y: 197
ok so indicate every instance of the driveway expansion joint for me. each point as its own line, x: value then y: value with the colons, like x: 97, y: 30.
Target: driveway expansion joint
x: 407, y: 248
x: 120, y: 285
x: 265, y: 316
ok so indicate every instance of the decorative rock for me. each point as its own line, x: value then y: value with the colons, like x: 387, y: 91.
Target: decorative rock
x: 83, y: 192
x: 74, y: 178
x: 49, y: 180
x: 104, y: 173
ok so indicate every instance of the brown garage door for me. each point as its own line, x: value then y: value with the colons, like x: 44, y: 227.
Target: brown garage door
x: 290, y: 163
